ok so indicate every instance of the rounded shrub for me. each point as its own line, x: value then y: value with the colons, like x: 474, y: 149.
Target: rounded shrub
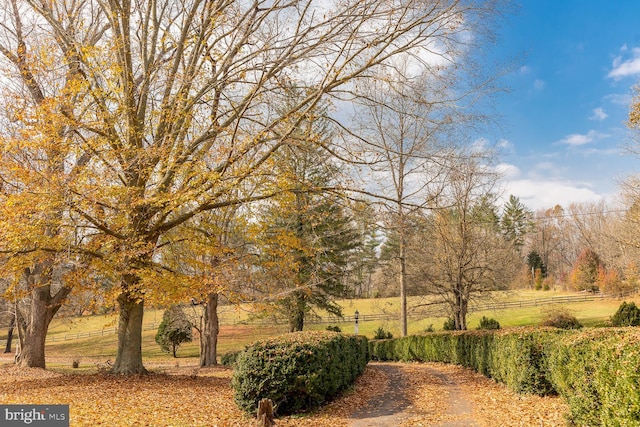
x: 381, y: 334
x: 229, y: 359
x: 298, y: 371
x: 488, y: 324
x: 562, y: 319
x: 628, y: 314
x: 449, y: 325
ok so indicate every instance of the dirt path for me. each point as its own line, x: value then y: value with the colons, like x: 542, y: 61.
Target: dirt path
x: 390, y: 407
x: 436, y: 395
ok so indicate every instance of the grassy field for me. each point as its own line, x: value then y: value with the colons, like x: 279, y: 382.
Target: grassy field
x: 65, y: 341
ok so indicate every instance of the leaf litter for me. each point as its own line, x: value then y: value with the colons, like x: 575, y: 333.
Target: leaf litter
x: 190, y: 397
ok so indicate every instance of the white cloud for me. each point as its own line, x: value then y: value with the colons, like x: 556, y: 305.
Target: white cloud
x: 538, y: 84
x: 541, y: 194
x: 508, y: 171
x: 479, y: 145
x: 625, y: 66
x: 619, y: 99
x: 577, y: 139
x: 598, y: 114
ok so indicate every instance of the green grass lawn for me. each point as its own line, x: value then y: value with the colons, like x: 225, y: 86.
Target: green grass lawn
x: 237, y: 330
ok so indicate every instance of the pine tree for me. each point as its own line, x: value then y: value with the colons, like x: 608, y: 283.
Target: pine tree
x: 308, y: 237
x: 516, y: 221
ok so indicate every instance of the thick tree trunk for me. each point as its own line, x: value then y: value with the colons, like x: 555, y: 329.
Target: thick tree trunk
x: 7, y: 348
x: 209, y: 336
x: 460, y: 311
x: 129, y: 357
x: 32, y: 339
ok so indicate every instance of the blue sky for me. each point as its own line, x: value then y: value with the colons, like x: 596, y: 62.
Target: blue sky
x: 562, y: 121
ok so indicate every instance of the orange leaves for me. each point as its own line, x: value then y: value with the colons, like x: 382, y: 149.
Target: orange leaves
x: 177, y: 398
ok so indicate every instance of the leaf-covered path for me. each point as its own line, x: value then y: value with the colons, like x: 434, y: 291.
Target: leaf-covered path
x: 438, y: 395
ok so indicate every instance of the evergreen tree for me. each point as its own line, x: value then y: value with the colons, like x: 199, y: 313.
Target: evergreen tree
x: 516, y: 221
x: 535, y: 263
x: 174, y: 329
x: 308, y: 236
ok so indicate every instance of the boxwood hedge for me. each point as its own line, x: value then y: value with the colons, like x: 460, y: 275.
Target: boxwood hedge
x: 298, y: 371
x: 597, y: 371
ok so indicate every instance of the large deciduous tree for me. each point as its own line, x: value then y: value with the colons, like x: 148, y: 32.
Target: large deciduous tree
x: 153, y: 112
x: 463, y: 250
x: 408, y: 122
x: 38, y: 162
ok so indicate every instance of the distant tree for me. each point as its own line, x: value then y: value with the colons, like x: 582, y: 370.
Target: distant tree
x: 516, y: 221
x: 174, y: 329
x: 585, y: 272
x: 467, y: 255
x: 11, y: 328
x: 537, y: 269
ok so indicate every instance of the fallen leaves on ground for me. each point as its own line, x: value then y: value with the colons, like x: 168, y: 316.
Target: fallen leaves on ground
x: 174, y: 397
x: 177, y: 397
x: 488, y: 404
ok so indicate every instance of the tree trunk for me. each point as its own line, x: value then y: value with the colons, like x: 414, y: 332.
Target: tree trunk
x: 296, y: 317
x: 36, y: 323
x: 403, y: 285
x: 12, y: 325
x: 129, y: 357
x: 460, y: 310
x: 209, y: 336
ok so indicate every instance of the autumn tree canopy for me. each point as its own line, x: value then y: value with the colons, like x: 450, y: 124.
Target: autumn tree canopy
x: 125, y: 120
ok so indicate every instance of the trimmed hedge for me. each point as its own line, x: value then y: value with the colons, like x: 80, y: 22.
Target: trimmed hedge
x: 512, y: 357
x: 597, y: 371
x: 298, y: 371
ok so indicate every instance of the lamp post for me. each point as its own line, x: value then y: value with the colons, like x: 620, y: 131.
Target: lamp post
x: 356, y: 317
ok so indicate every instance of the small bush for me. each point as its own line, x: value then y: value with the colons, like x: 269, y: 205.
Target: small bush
x: 429, y: 329
x: 627, y: 315
x: 488, y: 324
x: 298, y: 371
x: 334, y: 328
x: 381, y: 334
x: 562, y: 319
x: 229, y: 359
x: 449, y: 325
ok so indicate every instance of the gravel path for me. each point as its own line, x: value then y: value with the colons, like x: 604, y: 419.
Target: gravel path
x: 437, y: 395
